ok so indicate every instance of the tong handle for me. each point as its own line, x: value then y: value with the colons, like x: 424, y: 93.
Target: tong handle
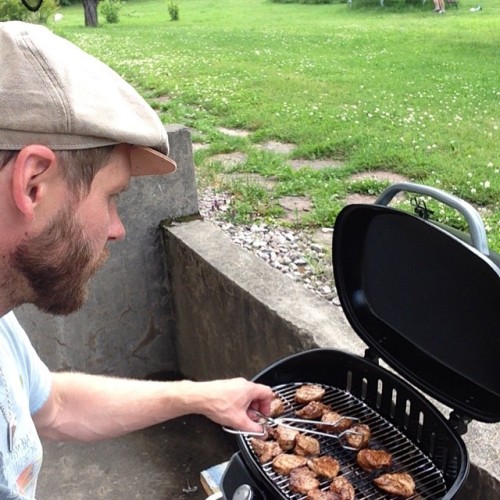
x: 283, y: 420
x: 261, y: 419
x: 266, y: 421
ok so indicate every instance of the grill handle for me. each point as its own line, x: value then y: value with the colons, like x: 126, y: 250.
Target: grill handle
x: 476, y: 225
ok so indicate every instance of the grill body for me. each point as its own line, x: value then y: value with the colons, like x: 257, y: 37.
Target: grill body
x: 395, y: 401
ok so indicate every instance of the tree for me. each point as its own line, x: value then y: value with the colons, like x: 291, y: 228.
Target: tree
x: 90, y: 11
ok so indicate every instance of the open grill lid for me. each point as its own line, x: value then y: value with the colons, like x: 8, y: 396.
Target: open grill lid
x: 425, y: 301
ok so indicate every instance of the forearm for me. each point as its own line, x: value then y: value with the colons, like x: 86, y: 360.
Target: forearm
x: 89, y: 407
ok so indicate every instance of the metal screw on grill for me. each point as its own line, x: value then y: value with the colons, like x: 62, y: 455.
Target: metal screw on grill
x: 244, y: 492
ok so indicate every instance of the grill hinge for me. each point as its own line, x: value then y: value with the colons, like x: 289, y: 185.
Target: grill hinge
x: 371, y: 355
x: 459, y: 422
x: 421, y: 209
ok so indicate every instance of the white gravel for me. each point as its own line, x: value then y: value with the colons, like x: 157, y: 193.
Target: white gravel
x: 292, y: 252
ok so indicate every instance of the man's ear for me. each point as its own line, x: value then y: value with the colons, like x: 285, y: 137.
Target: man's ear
x: 34, y: 168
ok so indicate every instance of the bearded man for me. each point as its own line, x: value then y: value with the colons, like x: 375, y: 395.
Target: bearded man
x: 72, y: 133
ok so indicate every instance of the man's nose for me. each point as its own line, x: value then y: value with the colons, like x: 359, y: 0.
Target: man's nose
x: 117, y: 229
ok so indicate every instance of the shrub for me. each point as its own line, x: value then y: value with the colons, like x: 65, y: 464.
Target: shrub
x: 14, y: 10
x: 173, y: 10
x: 110, y: 10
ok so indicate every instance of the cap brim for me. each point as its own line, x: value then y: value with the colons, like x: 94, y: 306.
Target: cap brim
x: 148, y: 161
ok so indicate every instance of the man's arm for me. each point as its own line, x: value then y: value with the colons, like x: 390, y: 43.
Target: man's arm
x: 91, y: 407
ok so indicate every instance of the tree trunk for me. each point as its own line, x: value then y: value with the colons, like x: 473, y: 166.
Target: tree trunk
x: 90, y: 11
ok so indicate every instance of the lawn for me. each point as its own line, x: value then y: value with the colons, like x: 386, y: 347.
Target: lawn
x: 398, y: 89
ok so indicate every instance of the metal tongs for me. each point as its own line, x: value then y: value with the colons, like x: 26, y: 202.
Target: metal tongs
x: 288, y: 422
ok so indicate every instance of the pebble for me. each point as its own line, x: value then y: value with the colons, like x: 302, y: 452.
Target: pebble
x: 289, y: 251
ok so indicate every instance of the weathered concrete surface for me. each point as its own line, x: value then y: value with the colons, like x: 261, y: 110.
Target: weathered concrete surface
x: 125, y: 328
x: 155, y: 464
x: 236, y: 315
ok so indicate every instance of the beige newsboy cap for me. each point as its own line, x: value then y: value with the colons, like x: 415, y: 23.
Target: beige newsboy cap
x: 55, y: 94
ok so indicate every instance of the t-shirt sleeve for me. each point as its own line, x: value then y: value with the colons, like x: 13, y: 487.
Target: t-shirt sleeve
x: 38, y: 378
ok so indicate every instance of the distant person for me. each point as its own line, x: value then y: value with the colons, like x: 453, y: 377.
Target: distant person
x: 439, y: 7
x: 72, y: 133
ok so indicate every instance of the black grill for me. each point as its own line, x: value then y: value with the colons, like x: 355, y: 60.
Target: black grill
x: 426, y: 303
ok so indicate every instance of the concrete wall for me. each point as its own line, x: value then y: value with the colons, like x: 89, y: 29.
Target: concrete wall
x: 126, y: 328
x: 236, y: 315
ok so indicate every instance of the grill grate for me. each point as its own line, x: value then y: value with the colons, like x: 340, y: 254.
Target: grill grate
x: 407, y: 457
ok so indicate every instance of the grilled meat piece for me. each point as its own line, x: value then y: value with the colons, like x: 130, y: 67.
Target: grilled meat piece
x: 324, y: 466
x: 265, y: 450
x: 343, y: 488
x: 306, y: 445
x: 312, y: 410
x: 285, y: 462
x: 322, y: 495
x: 285, y: 437
x: 397, y: 483
x: 361, y: 439
x: 309, y: 392
x: 339, y: 423
x: 302, y: 480
x: 277, y: 407
x: 370, y: 460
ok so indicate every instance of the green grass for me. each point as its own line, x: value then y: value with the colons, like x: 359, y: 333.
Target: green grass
x: 402, y: 90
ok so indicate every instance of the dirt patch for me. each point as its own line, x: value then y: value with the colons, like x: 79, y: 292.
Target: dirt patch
x: 265, y: 182
x: 230, y: 159
x: 197, y: 146
x: 380, y: 175
x: 162, y: 99
x: 233, y: 132
x: 377, y: 175
x: 365, y: 199
x: 323, y: 236
x: 295, y: 206
x: 315, y: 164
x: 276, y: 147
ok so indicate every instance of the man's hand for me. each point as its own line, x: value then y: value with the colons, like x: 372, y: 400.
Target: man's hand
x: 231, y: 402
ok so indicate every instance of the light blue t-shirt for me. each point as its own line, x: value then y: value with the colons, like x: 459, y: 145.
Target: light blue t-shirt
x: 25, y: 383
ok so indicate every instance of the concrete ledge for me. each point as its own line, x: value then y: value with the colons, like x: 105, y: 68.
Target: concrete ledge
x: 236, y: 315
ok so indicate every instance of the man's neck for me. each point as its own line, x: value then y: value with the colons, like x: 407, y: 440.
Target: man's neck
x: 10, y: 288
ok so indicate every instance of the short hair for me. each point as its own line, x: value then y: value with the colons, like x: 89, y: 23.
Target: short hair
x: 79, y: 166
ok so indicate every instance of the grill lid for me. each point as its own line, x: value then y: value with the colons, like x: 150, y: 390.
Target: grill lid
x: 425, y: 300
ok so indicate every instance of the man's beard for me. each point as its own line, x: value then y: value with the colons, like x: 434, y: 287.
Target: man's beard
x: 57, y: 265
